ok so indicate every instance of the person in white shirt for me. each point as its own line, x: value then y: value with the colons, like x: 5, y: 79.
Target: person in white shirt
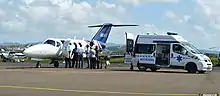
x: 68, y: 60
x: 81, y: 51
x: 87, y: 51
x: 93, y: 58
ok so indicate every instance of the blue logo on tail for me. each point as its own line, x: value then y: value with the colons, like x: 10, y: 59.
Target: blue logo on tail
x: 103, y: 33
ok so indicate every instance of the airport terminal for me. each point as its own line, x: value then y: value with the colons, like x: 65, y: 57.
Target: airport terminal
x: 149, y: 63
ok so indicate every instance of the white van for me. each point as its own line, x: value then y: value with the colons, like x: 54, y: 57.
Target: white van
x: 165, y: 51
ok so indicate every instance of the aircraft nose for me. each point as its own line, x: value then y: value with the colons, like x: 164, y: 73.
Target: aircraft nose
x: 33, y: 50
x: 28, y: 51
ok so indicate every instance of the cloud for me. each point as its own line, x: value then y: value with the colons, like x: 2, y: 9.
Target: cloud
x: 197, y: 27
x: 211, y: 10
x: 138, y: 2
x: 177, y: 18
x: 34, y: 20
x: 201, y: 30
x: 170, y: 14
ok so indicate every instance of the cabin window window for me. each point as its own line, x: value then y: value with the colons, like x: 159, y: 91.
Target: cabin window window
x: 58, y: 44
x: 179, y: 49
x: 62, y: 41
x: 145, y: 48
x: 51, y: 42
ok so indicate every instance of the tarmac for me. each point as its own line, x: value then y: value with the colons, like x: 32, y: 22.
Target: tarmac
x: 22, y: 79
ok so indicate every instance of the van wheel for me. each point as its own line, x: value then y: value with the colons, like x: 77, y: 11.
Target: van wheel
x: 201, y: 72
x: 141, y: 67
x: 191, y: 68
x: 153, y: 69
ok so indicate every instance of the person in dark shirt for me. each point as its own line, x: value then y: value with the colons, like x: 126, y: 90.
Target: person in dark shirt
x: 75, y: 57
x: 97, y: 60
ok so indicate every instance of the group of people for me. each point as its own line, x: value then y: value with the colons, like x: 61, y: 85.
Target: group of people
x: 94, y: 57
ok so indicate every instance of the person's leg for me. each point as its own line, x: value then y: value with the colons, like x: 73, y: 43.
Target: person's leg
x: 77, y: 61
x: 91, y: 63
x: 95, y: 63
x: 66, y: 62
x: 131, y: 67
x: 69, y: 62
x: 74, y: 62
x: 88, y: 62
x: 82, y: 61
x: 101, y: 62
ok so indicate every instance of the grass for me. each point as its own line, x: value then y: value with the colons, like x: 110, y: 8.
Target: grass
x: 117, y: 60
x: 214, y: 61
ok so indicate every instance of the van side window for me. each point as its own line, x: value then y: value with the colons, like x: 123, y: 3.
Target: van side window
x: 179, y: 49
x: 145, y: 48
x: 129, y: 45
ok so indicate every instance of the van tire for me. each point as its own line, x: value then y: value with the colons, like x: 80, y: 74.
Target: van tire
x: 153, y: 69
x: 201, y: 72
x: 191, y: 67
x: 141, y: 67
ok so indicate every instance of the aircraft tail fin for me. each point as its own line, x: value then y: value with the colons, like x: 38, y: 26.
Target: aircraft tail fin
x: 103, y: 33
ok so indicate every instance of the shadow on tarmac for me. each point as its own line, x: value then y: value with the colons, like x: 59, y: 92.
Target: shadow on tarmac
x: 159, y: 71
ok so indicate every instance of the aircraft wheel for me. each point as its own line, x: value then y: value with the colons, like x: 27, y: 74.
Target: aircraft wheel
x: 56, y: 64
x: 3, y: 60
x: 38, y: 65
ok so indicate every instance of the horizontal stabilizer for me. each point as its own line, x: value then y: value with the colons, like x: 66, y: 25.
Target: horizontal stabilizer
x: 111, y: 25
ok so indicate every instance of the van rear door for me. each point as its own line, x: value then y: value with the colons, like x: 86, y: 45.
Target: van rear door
x: 129, y: 48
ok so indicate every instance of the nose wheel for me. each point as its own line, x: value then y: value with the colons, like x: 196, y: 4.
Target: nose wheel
x: 56, y: 64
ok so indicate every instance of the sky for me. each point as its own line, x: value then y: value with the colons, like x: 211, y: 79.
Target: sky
x: 23, y: 21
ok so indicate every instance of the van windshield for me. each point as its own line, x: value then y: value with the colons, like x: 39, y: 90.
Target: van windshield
x: 192, y: 48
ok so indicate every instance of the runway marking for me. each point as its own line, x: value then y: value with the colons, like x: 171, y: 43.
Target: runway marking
x: 92, y: 91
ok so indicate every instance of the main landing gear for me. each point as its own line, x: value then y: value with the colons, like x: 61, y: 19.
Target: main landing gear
x: 55, y: 63
x: 38, y: 65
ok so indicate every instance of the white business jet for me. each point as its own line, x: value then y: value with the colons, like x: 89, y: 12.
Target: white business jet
x: 56, y: 49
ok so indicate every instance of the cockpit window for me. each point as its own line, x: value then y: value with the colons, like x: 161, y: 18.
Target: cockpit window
x: 51, y: 42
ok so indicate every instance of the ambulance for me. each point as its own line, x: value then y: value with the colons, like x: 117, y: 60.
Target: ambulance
x: 164, y: 51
